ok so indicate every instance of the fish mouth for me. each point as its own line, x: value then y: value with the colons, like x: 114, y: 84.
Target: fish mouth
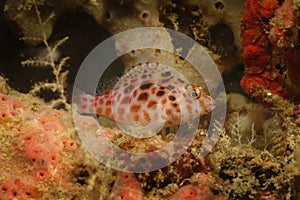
x: 211, y: 104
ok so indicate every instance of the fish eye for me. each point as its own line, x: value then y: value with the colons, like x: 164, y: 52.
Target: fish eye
x: 196, y: 94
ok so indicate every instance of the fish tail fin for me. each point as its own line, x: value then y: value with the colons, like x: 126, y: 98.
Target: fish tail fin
x: 83, y: 100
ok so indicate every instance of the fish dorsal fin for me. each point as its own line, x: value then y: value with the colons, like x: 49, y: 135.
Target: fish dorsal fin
x: 161, y: 74
x: 106, y: 86
x: 137, y: 75
x: 109, y: 85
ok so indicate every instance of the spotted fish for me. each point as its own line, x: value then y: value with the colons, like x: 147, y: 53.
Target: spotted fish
x: 150, y: 93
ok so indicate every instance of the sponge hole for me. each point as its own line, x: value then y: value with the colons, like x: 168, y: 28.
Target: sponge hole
x: 145, y: 15
x: 157, y: 51
x: 3, y: 98
x: 108, y: 16
x: 219, y: 5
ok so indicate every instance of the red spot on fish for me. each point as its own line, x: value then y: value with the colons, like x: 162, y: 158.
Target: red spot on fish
x: 146, y: 85
x: 84, y: 107
x: 101, y: 101
x: 171, y: 87
x: 164, y: 101
x: 166, y: 74
x: 146, y: 116
x: 128, y: 89
x: 151, y: 103
x: 160, y: 93
x: 169, y: 111
x: 108, y: 103
x: 172, y: 98
x: 153, y: 90
x: 125, y: 100
x: 99, y: 110
x: 144, y: 76
x: 119, y: 97
x: 180, y: 80
x: 166, y: 80
x: 135, y: 93
x: 108, y: 111
x: 175, y: 104
x: 135, y: 108
x: 84, y: 99
x: 143, y: 96
x: 136, y: 117
x: 133, y: 80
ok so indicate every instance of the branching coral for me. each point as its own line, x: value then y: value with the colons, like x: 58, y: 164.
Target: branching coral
x: 49, y: 60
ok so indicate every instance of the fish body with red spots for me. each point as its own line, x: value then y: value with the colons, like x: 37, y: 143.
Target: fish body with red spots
x: 150, y: 92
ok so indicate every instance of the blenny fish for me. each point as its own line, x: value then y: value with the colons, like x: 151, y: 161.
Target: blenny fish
x: 149, y: 94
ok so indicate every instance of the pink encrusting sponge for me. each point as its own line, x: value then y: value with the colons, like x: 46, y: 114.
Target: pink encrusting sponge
x: 36, y: 152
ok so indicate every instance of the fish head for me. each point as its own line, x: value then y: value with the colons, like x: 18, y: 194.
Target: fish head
x: 205, y: 102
